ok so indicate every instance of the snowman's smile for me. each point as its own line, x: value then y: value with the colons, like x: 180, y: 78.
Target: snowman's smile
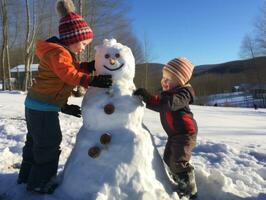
x: 114, y: 69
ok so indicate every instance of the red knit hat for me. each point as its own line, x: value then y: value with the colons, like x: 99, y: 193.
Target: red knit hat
x: 182, y: 68
x: 72, y: 27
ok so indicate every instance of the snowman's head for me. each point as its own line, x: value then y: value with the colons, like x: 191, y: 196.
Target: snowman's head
x: 115, y: 59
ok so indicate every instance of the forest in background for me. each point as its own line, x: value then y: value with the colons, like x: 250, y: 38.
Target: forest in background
x: 22, y: 22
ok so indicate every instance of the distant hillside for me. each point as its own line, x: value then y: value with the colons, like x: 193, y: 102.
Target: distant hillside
x: 220, y: 78
x: 153, y: 78
x: 237, y: 66
x: 210, y: 79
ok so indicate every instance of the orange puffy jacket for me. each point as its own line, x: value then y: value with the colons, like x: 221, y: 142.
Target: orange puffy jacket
x: 58, y: 73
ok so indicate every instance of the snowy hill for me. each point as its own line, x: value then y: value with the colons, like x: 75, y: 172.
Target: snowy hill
x: 236, y: 66
x: 230, y: 158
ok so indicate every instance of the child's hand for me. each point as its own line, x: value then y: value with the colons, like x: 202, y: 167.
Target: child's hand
x: 89, y: 66
x: 143, y: 93
x: 71, y: 110
x: 101, y: 81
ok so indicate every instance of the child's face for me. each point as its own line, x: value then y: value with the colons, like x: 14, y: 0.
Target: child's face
x: 79, y: 47
x: 168, y: 81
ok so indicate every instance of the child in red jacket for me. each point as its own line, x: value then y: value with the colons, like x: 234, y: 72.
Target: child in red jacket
x: 177, y: 121
x: 58, y: 73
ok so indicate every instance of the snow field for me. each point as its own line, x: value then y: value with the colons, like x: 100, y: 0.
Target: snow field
x: 230, y: 157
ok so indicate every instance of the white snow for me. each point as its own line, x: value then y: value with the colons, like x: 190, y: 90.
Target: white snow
x: 21, y: 68
x: 230, y: 157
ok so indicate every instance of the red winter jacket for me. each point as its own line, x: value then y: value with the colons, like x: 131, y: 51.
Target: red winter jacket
x: 175, y: 114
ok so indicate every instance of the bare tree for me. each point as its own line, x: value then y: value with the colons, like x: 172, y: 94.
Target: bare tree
x: 90, y: 14
x: 260, y: 29
x: 248, y: 50
x: 248, y: 47
x: 28, y: 47
x: 80, y: 8
x: 5, y: 48
x: 125, y: 35
x: 144, y: 62
x: 33, y: 25
x: 15, y: 22
x: 15, y: 32
x: 32, y: 19
x: 108, y: 20
x: 147, y: 57
x: 80, y: 90
x: 3, y: 74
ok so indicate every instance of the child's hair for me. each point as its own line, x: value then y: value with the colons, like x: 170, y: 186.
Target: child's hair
x: 72, y: 27
x: 181, y: 68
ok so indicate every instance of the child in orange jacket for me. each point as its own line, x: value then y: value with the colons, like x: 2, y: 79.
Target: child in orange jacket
x: 177, y: 121
x: 58, y: 73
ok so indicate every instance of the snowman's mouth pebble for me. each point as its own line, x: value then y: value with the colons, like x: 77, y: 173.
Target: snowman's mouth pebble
x: 110, y: 69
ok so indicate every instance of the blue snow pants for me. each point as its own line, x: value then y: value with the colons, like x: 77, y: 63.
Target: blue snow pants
x: 42, y: 147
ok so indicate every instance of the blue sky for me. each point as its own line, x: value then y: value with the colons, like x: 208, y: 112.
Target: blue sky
x: 205, y: 31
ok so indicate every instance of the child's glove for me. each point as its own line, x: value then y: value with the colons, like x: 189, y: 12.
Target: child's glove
x: 143, y: 93
x: 101, y: 81
x: 89, y: 66
x: 71, y: 110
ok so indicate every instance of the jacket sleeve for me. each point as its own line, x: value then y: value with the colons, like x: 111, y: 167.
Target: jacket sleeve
x: 170, y: 101
x: 60, y: 63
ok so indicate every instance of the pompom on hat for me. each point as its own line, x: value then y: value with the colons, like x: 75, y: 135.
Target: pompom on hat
x: 181, y: 68
x: 72, y: 27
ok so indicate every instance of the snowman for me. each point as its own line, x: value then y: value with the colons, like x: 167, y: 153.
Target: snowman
x: 114, y: 156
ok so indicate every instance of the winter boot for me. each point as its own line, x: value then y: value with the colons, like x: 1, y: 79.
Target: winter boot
x: 186, y: 184
x: 24, y: 172
x: 44, y: 187
x: 42, y: 178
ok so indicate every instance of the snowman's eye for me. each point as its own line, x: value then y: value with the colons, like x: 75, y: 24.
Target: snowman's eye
x: 117, y: 55
x: 107, y: 56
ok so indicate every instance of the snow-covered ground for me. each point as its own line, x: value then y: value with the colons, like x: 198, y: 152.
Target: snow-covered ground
x: 230, y: 157
x: 21, y: 68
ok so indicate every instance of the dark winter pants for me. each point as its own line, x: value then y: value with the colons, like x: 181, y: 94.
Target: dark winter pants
x: 178, y: 151
x: 42, y: 147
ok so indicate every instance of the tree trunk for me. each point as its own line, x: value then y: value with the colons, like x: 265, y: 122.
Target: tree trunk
x: 8, y: 66
x: 147, y: 59
x: 81, y: 13
x: 18, y: 79
x: 3, y: 71
x: 80, y: 90
x: 26, y: 55
x: 146, y: 75
x: 80, y: 2
x: 5, y: 49
x: 29, y: 49
x: 89, y: 49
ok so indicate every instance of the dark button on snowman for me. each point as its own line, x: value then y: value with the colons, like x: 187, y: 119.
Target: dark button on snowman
x: 109, y: 109
x: 113, y: 157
